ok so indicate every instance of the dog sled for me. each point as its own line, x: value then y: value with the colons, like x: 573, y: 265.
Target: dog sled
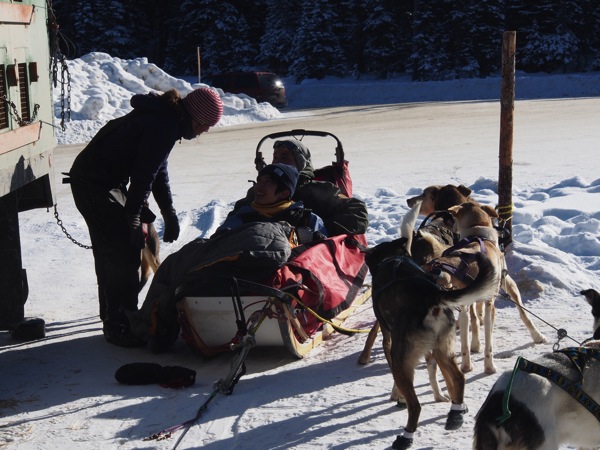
x: 297, y: 307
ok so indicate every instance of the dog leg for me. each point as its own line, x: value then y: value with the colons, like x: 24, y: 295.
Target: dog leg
x: 365, y: 356
x: 455, y: 379
x: 435, y: 386
x: 463, y: 320
x: 513, y: 291
x: 490, y: 315
x: 396, y: 394
x: 404, y: 371
x: 476, y: 314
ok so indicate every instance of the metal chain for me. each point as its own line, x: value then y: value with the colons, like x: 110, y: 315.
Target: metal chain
x: 64, y: 73
x: 60, y: 224
x: 56, y: 57
x: 15, y: 112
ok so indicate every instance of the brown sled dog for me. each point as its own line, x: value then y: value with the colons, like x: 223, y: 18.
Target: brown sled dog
x: 429, y: 241
x: 150, y: 253
x: 433, y: 237
x: 472, y: 219
x: 419, y: 319
x: 539, y: 413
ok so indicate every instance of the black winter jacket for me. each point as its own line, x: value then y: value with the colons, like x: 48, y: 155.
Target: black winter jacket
x: 130, y: 153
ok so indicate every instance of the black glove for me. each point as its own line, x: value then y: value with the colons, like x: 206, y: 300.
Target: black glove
x: 171, y: 231
x: 136, y: 233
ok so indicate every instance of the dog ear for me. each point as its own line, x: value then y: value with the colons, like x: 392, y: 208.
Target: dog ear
x: 454, y: 210
x: 464, y: 190
x: 490, y: 211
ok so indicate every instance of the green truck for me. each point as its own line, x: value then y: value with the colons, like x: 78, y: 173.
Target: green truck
x: 27, y: 142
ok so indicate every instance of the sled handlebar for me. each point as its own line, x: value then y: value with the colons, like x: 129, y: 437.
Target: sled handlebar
x: 298, y: 134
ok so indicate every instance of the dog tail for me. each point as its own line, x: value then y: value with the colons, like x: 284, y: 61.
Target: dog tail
x: 407, y: 227
x: 485, y: 285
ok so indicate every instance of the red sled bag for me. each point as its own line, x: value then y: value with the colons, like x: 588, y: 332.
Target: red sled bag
x: 326, y: 278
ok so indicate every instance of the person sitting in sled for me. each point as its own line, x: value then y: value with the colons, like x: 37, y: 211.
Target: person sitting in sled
x: 272, y: 192
x: 340, y: 214
x: 251, y: 244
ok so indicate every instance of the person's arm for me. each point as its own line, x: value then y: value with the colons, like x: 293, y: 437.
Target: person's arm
x: 149, y: 167
x: 341, y: 215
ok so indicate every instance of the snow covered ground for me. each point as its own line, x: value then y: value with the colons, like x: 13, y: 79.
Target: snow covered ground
x: 60, y: 391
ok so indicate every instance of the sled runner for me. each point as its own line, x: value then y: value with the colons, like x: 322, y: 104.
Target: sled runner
x: 304, y: 301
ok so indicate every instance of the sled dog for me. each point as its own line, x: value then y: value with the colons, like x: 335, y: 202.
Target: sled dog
x: 417, y: 313
x: 432, y: 237
x: 150, y: 254
x: 474, y: 220
x: 593, y: 298
x: 544, y: 410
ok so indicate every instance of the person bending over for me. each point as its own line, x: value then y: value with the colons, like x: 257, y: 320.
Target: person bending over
x: 112, y: 178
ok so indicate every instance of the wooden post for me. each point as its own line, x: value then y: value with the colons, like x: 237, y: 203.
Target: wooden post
x: 507, y: 107
x: 199, y: 68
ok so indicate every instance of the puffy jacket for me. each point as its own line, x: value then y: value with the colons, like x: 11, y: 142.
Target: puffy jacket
x: 340, y: 214
x: 296, y: 215
x: 130, y: 153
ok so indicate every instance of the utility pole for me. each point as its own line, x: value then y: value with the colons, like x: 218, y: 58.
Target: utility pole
x: 507, y: 108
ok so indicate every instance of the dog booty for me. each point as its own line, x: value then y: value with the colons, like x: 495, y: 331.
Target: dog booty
x: 152, y: 373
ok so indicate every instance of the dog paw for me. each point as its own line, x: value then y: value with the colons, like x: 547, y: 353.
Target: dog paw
x: 490, y: 369
x: 455, y: 418
x: 402, y: 443
x: 540, y: 339
x: 363, y: 360
x: 441, y: 398
x: 466, y: 368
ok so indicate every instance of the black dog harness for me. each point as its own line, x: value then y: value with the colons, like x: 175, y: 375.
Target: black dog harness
x: 461, y: 271
x: 579, y: 357
x: 402, y: 267
x: 445, y: 233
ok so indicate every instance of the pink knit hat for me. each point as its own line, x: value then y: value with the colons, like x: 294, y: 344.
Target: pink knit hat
x: 204, y: 105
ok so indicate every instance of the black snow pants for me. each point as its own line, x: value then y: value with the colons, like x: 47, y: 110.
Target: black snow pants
x: 116, y: 260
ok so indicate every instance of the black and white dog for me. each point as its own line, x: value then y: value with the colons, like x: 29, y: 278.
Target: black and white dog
x: 554, y: 400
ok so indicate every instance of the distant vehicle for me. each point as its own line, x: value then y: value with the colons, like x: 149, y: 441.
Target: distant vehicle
x: 263, y: 86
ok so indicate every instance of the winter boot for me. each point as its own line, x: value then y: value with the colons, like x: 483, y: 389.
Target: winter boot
x: 118, y: 333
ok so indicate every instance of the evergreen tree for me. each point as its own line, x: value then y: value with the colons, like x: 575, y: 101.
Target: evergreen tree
x: 486, y: 35
x: 156, y: 32
x: 430, y: 60
x: 384, y: 49
x: 105, y: 26
x: 349, y: 28
x: 550, y: 41
x: 254, y: 13
x: 218, y: 30
x: 281, y: 25
x: 589, y: 35
x: 316, y: 50
x: 434, y: 40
